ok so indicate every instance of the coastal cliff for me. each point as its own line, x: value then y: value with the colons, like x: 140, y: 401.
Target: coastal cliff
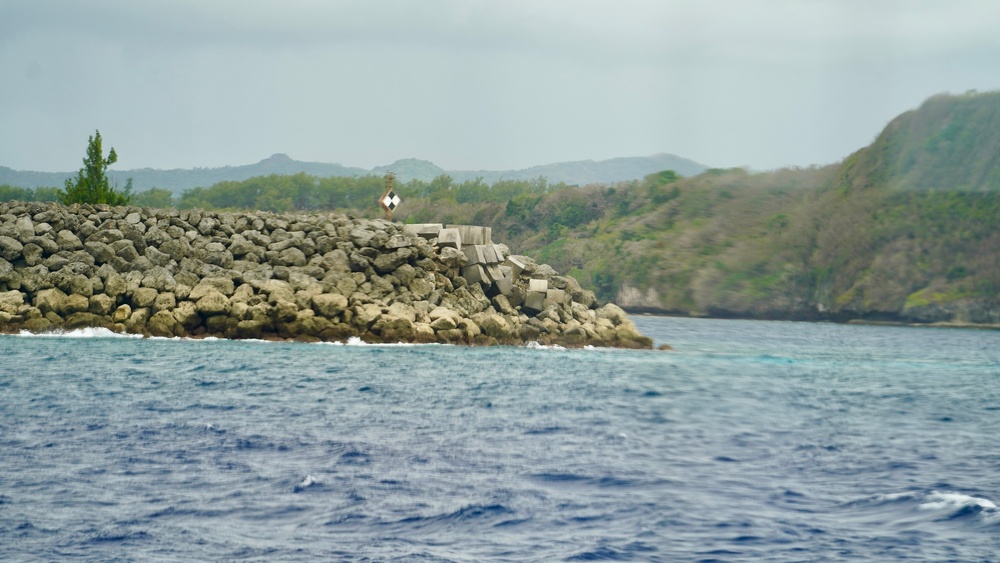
x: 312, y: 277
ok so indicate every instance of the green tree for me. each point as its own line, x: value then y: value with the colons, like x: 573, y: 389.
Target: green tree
x: 91, y: 184
x: 154, y: 197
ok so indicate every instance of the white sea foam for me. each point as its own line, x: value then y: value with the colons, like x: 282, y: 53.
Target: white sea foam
x: 949, y: 501
x: 79, y: 333
x: 892, y: 497
x: 538, y: 346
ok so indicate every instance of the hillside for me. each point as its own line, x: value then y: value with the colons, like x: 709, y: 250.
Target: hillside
x: 907, y: 229
x: 179, y: 180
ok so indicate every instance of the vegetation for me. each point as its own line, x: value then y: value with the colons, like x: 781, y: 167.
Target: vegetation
x: 907, y: 228
x: 12, y: 193
x: 91, y: 184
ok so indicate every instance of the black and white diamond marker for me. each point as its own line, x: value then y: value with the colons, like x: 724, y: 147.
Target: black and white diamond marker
x: 390, y: 201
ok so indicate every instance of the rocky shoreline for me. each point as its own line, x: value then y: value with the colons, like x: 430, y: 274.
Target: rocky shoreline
x: 309, y: 277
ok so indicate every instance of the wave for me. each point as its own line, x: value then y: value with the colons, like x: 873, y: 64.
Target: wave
x: 939, y: 506
x: 953, y: 506
x: 78, y: 333
x: 306, y: 483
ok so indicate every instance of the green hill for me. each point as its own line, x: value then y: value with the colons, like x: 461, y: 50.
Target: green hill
x: 907, y: 229
x: 179, y: 180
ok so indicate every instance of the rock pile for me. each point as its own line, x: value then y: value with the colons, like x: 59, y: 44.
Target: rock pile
x: 165, y: 272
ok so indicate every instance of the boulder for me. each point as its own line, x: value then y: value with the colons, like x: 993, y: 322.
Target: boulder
x: 67, y: 240
x: 51, y: 299
x: 213, y: 302
x: 10, y: 248
x: 11, y: 301
x: 121, y: 314
x: 101, y: 304
x: 163, y: 323
x: 329, y: 305
x: 144, y: 297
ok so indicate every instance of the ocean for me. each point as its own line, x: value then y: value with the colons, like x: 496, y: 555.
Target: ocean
x: 750, y: 441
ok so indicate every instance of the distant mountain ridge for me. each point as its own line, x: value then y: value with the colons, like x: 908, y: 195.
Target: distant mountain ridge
x: 177, y: 180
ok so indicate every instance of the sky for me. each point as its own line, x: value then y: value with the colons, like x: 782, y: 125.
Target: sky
x: 476, y: 84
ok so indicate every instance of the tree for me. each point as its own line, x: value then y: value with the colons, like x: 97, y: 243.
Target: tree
x: 91, y: 184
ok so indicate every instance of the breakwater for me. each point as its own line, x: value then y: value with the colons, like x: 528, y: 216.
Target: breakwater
x: 164, y: 272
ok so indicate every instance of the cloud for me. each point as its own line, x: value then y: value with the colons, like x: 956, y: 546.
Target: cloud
x: 476, y: 84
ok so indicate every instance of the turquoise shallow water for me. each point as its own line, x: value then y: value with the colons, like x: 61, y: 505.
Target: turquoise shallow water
x: 760, y: 441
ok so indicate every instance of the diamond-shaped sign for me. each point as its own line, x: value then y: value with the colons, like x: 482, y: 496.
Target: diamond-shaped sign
x: 390, y: 200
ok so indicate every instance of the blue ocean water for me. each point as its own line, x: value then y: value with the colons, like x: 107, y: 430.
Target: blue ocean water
x: 763, y: 441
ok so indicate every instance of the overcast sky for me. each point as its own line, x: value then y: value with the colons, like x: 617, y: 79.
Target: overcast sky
x: 474, y: 84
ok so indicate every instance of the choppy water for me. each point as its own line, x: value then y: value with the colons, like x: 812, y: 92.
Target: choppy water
x: 751, y: 441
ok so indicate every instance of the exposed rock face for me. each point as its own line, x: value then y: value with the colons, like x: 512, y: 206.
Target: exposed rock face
x: 262, y: 275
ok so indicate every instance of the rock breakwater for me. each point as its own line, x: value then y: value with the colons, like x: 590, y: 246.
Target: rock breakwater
x: 311, y: 277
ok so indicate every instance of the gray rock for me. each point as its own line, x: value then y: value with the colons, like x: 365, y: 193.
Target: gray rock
x: 48, y: 246
x: 164, y: 302
x: 144, y: 297
x: 329, y: 305
x: 10, y: 248
x: 101, y: 251
x: 6, y: 268
x: 388, y: 262
x: 101, y: 304
x: 25, y: 228
x: 11, y: 301
x: 291, y: 257
x: 125, y: 250
x: 163, y: 323
x: 49, y: 300
x: 156, y: 257
x: 32, y: 254
x: 67, y: 240
x: 107, y: 236
x: 121, y: 314
x: 212, y: 303
x: 362, y: 238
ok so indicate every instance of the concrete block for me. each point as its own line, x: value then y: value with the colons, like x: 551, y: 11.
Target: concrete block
x: 515, y: 264
x: 475, y: 254
x: 534, y: 303
x: 493, y: 272
x: 516, y: 296
x: 425, y: 230
x: 470, y: 234
x: 540, y: 286
x: 555, y: 296
x: 450, y: 238
x: 504, y: 285
x: 490, y: 254
x: 501, y: 256
x: 475, y: 274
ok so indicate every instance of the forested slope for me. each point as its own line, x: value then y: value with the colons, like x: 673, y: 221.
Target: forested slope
x: 906, y: 229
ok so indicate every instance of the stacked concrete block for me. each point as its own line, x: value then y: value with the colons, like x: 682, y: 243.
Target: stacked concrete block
x: 500, y: 252
x: 450, y: 238
x: 554, y: 297
x: 425, y: 230
x: 505, y: 284
x: 538, y: 286
x: 515, y: 264
x: 472, y: 234
x: 476, y: 274
x: 534, y: 303
x: 475, y: 254
x: 534, y: 298
x: 490, y: 266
